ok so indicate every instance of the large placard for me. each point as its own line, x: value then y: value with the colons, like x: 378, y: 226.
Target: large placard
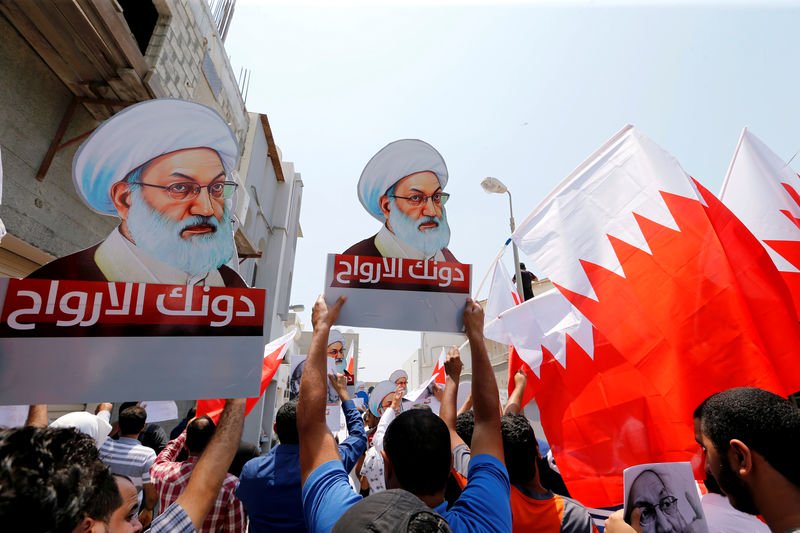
x: 78, y: 341
x: 397, y: 293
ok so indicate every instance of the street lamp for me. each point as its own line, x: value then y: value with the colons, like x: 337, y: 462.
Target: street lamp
x: 494, y: 185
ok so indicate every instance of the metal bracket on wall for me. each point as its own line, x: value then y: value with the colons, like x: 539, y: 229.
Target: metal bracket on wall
x: 56, y: 143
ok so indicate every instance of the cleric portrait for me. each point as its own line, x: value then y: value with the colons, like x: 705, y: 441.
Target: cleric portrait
x: 402, y: 186
x: 164, y: 168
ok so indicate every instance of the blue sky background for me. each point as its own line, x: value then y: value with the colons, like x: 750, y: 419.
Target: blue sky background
x: 521, y: 91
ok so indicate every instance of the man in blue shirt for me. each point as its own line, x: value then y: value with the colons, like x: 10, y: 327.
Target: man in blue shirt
x: 270, y: 485
x: 416, y: 453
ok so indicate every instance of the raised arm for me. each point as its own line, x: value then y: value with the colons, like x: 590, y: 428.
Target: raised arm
x: 212, y: 467
x: 486, y: 438
x: 37, y: 416
x: 316, y: 442
x: 452, y: 369
x: 514, y: 403
x: 355, y: 444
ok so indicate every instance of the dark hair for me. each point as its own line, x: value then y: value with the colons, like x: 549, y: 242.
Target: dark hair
x: 767, y: 423
x: 520, y: 448
x: 465, y: 425
x: 418, y: 445
x: 132, y: 420
x: 286, y: 423
x: 125, y: 405
x: 51, y: 479
x: 424, y: 407
x: 198, y: 433
x: 246, y: 451
x: 522, y: 266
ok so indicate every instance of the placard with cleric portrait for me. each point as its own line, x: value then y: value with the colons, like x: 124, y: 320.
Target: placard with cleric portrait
x: 404, y: 276
x: 158, y: 293
x: 666, y: 498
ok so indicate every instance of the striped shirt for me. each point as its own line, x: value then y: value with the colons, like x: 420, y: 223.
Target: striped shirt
x: 173, y: 520
x: 171, y: 478
x: 127, y: 457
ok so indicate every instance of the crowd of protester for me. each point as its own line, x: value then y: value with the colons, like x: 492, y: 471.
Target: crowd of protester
x: 402, y: 467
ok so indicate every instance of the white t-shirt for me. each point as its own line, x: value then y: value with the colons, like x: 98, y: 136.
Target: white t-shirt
x: 723, y: 518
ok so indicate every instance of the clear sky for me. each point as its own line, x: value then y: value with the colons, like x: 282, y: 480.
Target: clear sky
x: 523, y: 91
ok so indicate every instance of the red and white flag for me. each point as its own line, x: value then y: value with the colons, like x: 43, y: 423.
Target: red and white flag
x: 503, y: 296
x: 438, y: 369
x: 351, y: 360
x: 679, y: 292
x: 764, y: 192
x: 274, y: 352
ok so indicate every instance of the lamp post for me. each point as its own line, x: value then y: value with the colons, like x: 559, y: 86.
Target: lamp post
x: 494, y: 185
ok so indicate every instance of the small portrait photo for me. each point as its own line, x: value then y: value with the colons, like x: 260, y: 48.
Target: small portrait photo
x: 296, y: 365
x: 666, y: 497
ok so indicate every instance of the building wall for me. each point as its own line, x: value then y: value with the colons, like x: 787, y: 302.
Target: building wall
x: 189, y: 60
x: 32, y: 102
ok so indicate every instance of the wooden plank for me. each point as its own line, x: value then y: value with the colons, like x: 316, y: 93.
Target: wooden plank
x: 132, y: 80
x: 107, y: 17
x: 39, y: 43
x: 122, y: 89
x: 272, y: 151
x: 57, y: 32
x: 87, y: 38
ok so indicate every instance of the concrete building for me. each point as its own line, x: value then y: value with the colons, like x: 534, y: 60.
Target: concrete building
x: 69, y: 65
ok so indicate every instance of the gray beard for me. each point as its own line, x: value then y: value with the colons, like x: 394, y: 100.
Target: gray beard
x: 160, y: 237
x: 407, y: 230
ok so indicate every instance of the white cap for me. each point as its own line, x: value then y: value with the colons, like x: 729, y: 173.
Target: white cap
x: 392, y: 163
x: 143, y: 132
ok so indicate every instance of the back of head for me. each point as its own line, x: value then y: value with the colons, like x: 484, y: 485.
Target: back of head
x: 465, y: 425
x: 767, y: 423
x: 198, y: 434
x: 418, y: 445
x: 132, y: 420
x: 51, y: 479
x: 520, y: 448
x: 125, y: 405
x: 286, y: 423
x: 246, y: 452
x: 391, y: 511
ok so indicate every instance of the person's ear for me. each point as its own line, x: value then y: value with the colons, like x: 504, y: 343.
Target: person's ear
x: 384, y: 202
x: 85, y: 526
x: 121, y: 196
x: 740, y: 457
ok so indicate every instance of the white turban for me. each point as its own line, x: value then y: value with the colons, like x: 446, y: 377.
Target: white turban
x: 397, y: 374
x: 143, y: 132
x: 335, y: 336
x: 378, y: 394
x: 86, y: 423
x: 392, y: 163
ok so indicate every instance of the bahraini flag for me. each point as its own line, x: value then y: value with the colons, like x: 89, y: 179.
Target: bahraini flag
x: 274, y: 352
x: 764, y: 192
x: 684, y: 301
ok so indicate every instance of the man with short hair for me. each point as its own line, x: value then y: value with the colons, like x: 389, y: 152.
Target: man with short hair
x: 749, y: 437
x: 416, y: 456
x: 402, y: 187
x: 527, y: 281
x: 51, y: 479
x: 171, y: 478
x: 270, y: 486
x: 128, y: 457
x: 164, y: 167
x: 749, y: 440
x: 533, y: 507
